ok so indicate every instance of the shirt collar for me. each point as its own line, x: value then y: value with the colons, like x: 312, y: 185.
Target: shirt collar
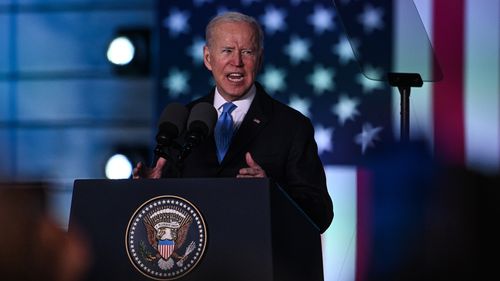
x: 243, y: 103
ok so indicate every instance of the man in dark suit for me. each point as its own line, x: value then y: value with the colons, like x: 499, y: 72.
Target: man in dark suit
x: 266, y: 137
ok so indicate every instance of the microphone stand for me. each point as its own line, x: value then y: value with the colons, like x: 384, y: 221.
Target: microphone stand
x: 164, y: 150
x: 404, y: 82
x: 193, y: 139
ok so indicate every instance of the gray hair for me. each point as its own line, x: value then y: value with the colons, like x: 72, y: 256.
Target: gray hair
x: 234, y: 17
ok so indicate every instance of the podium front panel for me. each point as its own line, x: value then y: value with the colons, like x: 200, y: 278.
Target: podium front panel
x: 236, y: 212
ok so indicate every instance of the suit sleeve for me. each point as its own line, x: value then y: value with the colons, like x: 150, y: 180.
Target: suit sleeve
x: 305, y: 177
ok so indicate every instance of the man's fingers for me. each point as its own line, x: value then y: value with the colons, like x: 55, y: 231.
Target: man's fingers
x: 247, y: 171
x: 253, y: 170
x: 250, y: 162
x: 161, y: 162
x: 140, y: 171
x: 137, y: 170
x: 251, y: 173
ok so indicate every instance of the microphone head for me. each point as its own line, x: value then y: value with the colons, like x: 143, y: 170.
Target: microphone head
x: 202, y: 118
x: 172, y: 121
x: 201, y: 122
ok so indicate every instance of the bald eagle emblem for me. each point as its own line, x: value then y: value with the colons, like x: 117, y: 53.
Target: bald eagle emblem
x: 166, y: 238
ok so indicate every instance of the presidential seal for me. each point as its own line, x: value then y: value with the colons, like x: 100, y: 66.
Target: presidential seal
x: 166, y: 238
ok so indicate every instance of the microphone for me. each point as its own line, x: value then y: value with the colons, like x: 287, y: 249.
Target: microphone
x: 170, y: 125
x: 200, y: 124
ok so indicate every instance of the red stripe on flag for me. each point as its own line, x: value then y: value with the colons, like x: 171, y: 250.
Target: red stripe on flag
x: 448, y: 94
x: 364, y: 222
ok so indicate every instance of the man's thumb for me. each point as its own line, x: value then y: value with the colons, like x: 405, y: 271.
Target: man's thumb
x: 250, y: 162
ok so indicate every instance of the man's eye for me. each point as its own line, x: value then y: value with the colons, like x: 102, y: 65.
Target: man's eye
x: 226, y: 51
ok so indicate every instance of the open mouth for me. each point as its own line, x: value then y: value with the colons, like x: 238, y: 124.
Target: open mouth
x: 235, y: 77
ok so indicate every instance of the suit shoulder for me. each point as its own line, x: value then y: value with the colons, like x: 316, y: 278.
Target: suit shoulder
x: 198, y: 100
x: 206, y: 98
x: 286, y: 111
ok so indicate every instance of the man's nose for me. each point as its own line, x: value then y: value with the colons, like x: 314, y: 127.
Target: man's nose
x: 237, y: 59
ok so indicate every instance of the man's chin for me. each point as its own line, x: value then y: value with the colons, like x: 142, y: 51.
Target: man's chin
x: 236, y: 92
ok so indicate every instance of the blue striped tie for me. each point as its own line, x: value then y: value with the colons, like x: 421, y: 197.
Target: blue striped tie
x: 224, y: 130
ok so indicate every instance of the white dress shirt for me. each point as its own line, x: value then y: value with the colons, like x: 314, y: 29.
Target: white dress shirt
x: 242, y: 105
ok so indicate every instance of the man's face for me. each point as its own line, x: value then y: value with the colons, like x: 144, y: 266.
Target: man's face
x: 233, y: 58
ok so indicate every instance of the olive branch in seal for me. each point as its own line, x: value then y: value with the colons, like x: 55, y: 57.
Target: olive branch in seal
x: 145, y: 253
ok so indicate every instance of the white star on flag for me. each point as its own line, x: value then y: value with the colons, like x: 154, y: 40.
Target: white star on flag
x: 370, y: 84
x: 367, y: 137
x: 177, y: 22
x: 321, y: 19
x: 195, y: 50
x: 274, y: 20
x: 298, y: 49
x: 371, y: 18
x: 321, y: 79
x: 323, y: 138
x: 176, y: 82
x: 222, y: 10
x: 301, y: 105
x: 344, y: 50
x: 273, y: 79
x: 346, y: 109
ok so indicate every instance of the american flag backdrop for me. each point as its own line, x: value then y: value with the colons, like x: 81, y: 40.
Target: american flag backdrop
x: 309, y: 64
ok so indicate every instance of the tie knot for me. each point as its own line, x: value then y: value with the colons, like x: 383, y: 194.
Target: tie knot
x: 228, y: 107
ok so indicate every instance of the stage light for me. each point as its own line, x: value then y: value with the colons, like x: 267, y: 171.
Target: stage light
x: 118, y: 166
x: 121, y: 162
x: 129, y: 51
x: 121, y: 51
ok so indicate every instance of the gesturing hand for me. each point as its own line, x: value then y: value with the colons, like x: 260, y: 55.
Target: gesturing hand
x: 141, y: 171
x: 253, y: 170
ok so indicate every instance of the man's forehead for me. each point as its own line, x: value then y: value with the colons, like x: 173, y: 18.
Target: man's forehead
x: 232, y: 23
x: 232, y: 37
x: 237, y: 28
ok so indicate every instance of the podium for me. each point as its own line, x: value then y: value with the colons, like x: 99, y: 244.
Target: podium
x: 250, y: 230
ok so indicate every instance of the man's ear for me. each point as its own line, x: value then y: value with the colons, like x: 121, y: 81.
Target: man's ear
x: 206, y: 57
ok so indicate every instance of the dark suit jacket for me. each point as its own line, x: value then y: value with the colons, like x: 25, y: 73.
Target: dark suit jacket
x: 281, y: 141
